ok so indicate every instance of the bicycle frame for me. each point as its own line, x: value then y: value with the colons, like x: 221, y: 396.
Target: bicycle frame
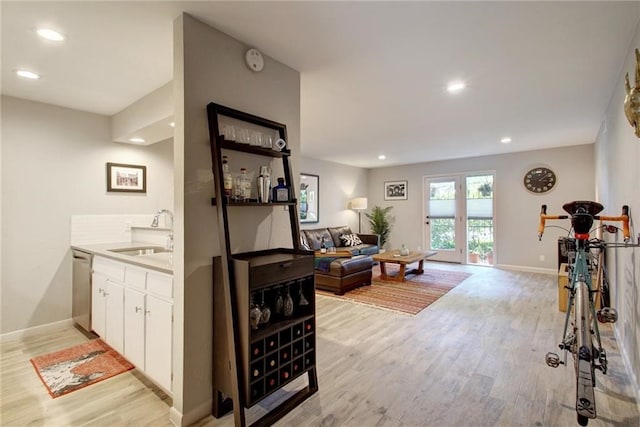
x: 581, y: 335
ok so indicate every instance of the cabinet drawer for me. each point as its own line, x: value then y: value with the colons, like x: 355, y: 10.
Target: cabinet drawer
x: 160, y: 284
x: 109, y: 268
x: 135, y: 277
x: 280, y: 271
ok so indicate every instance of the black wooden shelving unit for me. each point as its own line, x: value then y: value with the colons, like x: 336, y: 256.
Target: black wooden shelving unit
x: 250, y: 364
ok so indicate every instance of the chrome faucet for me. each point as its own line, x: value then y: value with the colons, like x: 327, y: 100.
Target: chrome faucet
x: 160, y: 212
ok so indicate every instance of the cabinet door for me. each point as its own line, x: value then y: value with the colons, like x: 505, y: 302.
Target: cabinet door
x: 98, y: 288
x: 114, y: 324
x: 158, y: 345
x: 134, y: 309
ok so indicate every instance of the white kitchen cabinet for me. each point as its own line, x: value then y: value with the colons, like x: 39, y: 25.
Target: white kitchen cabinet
x: 158, y: 342
x: 134, y: 319
x: 98, y: 305
x: 148, y: 332
x: 107, y: 317
x: 145, y: 317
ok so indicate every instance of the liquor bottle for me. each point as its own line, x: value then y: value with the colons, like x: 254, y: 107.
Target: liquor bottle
x: 280, y: 192
x: 323, y: 246
x: 227, y: 178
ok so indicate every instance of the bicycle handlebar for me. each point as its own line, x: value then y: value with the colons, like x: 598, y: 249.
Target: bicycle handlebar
x: 624, y: 218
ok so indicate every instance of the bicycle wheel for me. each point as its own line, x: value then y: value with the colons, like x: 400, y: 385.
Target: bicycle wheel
x: 584, y: 357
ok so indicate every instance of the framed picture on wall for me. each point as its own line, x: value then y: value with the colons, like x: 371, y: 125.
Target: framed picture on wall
x: 395, y: 190
x: 126, y: 178
x: 308, y: 198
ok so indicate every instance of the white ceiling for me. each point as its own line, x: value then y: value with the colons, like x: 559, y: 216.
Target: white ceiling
x: 373, y: 74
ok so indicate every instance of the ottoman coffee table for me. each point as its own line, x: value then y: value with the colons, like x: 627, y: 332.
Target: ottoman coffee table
x: 394, y: 257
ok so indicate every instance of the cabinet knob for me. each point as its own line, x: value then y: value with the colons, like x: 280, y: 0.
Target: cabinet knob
x: 138, y: 309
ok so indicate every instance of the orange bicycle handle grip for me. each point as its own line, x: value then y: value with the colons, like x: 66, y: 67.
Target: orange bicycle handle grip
x: 544, y: 217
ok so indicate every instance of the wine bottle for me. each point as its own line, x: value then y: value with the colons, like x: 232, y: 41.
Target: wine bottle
x: 323, y: 246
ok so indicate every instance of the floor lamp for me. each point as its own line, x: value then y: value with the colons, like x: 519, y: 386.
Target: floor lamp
x: 359, y: 204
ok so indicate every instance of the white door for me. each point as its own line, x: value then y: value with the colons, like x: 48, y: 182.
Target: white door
x: 98, y: 312
x: 134, y: 309
x: 115, y: 316
x: 444, y: 228
x: 158, y: 341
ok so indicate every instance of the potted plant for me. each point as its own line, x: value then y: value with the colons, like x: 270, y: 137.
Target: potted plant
x: 473, y: 250
x: 485, y: 189
x: 379, y: 223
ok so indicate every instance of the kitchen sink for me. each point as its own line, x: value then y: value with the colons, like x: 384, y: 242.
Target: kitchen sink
x: 139, y: 251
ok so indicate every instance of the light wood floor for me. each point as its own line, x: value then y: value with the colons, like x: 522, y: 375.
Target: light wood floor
x: 475, y: 357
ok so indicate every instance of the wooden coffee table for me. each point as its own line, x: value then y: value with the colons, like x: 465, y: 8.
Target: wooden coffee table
x: 394, y: 257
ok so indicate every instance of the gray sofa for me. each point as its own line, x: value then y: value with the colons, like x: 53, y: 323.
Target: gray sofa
x: 340, y: 275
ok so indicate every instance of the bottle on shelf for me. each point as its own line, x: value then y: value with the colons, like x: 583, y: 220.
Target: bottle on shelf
x: 323, y: 246
x: 280, y: 191
x: 227, y: 179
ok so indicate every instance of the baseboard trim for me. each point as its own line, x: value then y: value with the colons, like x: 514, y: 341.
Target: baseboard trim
x: 36, y: 330
x: 528, y: 269
x: 179, y: 419
x: 175, y: 416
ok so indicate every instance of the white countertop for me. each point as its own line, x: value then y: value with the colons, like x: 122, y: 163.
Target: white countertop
x: 162, y: 261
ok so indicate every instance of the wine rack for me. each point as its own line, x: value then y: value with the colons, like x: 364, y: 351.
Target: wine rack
x: 264, y: 331
x: 282, y: 348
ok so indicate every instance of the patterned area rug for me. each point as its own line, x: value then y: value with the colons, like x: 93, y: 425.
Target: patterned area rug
x: 411, y: 296
x: 76, y: 367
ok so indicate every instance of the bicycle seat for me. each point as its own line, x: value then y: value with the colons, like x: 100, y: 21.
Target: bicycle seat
x: 582, y: 213
x: 583, y: 207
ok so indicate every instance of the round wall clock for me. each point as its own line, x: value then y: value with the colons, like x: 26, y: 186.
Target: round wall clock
x: 540, y: 180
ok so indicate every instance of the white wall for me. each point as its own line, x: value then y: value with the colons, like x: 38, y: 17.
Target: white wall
x: 54, y: 165
x: 338, y: 184
x: 209, y: 67
x: 618, y: 183
x: 517, y: 210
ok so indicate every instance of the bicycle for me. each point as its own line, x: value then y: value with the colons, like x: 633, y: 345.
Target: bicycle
x: 582, y: 339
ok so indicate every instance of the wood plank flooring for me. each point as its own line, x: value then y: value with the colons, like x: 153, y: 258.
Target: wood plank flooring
x: 474, y: 357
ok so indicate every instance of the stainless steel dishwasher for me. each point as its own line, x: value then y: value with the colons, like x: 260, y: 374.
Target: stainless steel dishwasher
x: 81, y: 308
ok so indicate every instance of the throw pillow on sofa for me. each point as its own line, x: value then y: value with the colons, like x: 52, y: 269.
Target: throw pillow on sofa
x: 350, y: 240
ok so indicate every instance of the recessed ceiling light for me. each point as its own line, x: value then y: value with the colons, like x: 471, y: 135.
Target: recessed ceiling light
x: 49, y: 34
x: 382, y: 157
x: 457, y: 86
x: 172, y: 124
x: 505, y: 140
x: 28, y: 74
x: 137, y: 140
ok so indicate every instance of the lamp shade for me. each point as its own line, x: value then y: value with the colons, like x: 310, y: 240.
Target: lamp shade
x: 359, y: 203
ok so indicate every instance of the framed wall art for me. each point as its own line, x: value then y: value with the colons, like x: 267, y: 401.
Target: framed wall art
x: 308, y: 198
x: 395, y: 190
x: 126, y: 178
